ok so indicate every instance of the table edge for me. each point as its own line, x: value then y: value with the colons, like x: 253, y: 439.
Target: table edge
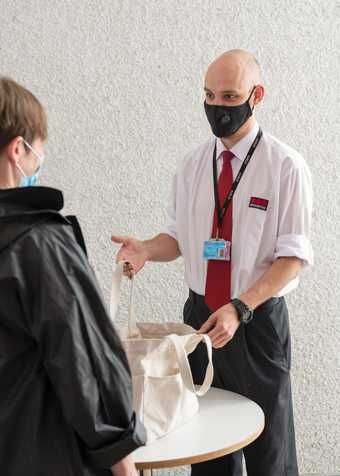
x: 200, y: 458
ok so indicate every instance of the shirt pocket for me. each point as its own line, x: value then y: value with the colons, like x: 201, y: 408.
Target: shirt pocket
x: 258, y: 208
x: 255, y: 224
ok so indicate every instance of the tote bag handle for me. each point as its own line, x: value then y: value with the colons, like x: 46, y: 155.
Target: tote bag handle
x: 183, y: 361
x: 115, y: 297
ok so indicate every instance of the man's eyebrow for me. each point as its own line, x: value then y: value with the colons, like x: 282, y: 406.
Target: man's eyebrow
x: 227, y: 91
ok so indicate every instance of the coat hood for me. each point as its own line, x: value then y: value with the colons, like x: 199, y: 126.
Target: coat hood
x: 23, y: 208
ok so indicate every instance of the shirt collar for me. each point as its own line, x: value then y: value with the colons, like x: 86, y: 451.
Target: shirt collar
x: 241, y: 148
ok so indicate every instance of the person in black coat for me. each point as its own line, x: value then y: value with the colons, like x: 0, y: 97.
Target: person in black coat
x: 65, y: 383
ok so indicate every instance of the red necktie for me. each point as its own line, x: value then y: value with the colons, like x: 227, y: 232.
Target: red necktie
x: 217, y: 289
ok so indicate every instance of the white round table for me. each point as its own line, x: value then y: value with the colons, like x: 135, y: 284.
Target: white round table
x: 226, y: 422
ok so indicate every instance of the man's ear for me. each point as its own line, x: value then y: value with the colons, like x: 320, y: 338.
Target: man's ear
x: 14, y: 150
x: 258, y: 94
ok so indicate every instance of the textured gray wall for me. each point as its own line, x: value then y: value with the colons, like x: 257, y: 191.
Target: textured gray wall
x: 122, y: 84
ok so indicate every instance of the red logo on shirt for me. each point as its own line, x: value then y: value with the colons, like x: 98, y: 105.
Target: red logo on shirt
x: 260, y: 203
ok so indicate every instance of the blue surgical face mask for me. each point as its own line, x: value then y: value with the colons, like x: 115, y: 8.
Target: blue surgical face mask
x: 31, y: 180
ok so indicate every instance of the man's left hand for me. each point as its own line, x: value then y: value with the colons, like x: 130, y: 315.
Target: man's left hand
x: 221, y: 326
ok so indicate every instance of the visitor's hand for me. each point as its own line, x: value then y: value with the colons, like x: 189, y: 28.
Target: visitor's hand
x: 124, y: 467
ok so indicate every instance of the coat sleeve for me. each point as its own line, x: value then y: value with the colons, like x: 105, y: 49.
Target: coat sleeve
x: 81, y: 351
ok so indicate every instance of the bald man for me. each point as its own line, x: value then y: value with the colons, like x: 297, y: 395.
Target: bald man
x: 239, y: 215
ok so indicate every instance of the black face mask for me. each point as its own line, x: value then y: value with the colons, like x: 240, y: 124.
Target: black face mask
x: 226, y: 120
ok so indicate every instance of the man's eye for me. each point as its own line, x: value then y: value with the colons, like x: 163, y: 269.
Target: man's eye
x: 229, y: 96
x: 208, y: 95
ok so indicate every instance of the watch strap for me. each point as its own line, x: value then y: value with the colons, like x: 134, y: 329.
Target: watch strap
x: 244, y: 313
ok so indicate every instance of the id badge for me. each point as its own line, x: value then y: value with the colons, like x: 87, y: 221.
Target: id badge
x: 216, y: 250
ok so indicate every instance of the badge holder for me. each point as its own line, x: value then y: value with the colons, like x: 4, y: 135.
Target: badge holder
x: 216, y: 249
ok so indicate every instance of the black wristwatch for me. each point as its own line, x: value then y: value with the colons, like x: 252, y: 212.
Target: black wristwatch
x: 244, y: 313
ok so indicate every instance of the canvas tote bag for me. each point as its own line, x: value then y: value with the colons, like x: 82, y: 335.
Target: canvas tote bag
x: 164, y: 394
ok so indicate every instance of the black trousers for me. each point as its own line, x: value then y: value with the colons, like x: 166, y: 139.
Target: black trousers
x: 256, y: 364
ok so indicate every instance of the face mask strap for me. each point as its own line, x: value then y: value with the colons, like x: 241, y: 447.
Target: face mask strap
x: 250, y: 95
x: 21, y: 170
x: 38, y: 156
x: 35, y: 153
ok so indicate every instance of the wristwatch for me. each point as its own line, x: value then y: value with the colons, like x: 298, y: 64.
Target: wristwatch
x: 244, y: 313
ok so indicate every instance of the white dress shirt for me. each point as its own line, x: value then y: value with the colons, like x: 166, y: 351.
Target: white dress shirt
x: 276, y: 173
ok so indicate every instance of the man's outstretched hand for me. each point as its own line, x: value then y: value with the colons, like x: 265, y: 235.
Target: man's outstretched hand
x: 133, y: 252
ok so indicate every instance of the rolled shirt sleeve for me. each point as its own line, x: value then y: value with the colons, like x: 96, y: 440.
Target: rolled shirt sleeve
x: 295, y: 212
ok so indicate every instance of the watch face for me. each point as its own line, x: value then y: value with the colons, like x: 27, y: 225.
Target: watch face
x: 244, y: 313
x: 248, y: 316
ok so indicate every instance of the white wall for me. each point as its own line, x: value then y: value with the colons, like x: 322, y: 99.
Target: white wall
x: 122, y: 84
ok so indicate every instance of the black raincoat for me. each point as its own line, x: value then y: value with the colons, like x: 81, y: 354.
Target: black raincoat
x: 65, y: 384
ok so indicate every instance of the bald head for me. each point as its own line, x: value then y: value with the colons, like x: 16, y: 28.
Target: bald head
x: 245, y: 60
x: 237, y: 66
x: 232, y: 77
